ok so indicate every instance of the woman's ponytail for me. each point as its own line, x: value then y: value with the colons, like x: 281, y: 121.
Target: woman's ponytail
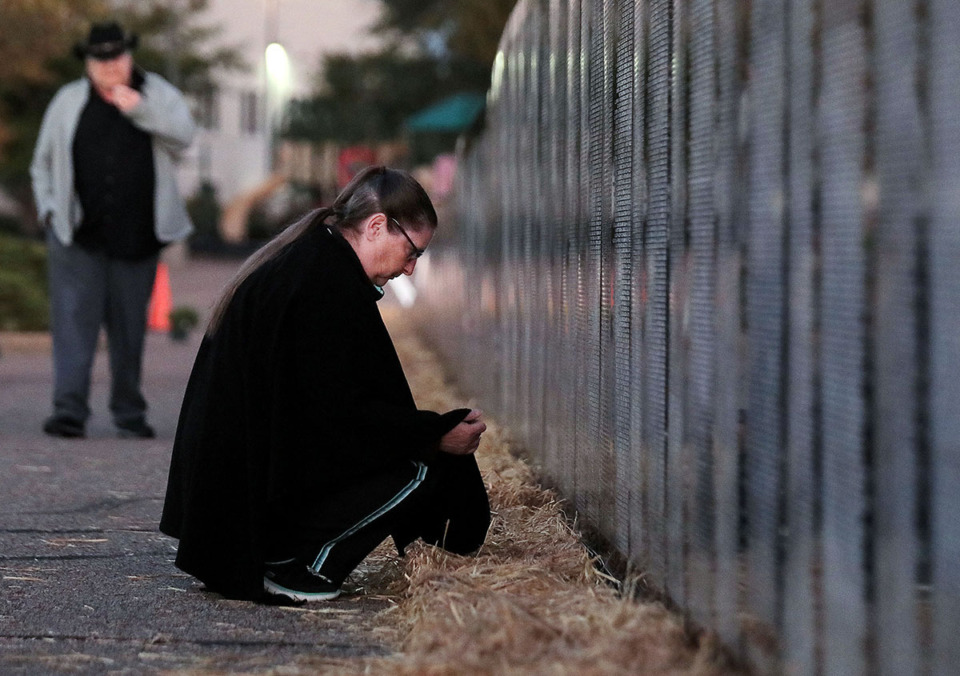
x: 264, y: 254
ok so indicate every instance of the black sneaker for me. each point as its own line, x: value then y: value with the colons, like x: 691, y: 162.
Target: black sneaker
x: 295, y: 581
x: 59, y: 426
x: 138, y: 429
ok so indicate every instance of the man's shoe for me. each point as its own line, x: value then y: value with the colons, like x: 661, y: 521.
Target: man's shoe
x: 138, y: 429
x: 59, y: 426
x: 295, y: 581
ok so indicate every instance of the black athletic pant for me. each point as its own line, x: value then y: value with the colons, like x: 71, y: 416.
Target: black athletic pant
x: 445, y: 503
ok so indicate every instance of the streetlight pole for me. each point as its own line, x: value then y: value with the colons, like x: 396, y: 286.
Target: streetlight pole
x: 272, y: 21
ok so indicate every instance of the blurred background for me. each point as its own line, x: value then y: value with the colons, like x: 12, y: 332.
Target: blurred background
x: 291, y: 97
x: 702, y: 258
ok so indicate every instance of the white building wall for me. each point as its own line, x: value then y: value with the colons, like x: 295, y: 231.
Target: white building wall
x: 231, y: 158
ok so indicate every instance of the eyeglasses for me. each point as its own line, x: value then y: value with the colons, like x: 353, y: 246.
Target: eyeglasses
x: 417, y: 251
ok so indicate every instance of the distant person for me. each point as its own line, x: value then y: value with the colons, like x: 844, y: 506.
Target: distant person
x: 299, y: 447
x: 106, y: 193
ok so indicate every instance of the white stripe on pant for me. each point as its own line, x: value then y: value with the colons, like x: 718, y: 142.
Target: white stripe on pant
x: 390, y: 504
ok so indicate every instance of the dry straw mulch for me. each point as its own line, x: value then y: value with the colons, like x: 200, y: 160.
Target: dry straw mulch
x: 531, y: 600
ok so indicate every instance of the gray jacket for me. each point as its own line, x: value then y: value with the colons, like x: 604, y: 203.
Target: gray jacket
x: 162, y: 112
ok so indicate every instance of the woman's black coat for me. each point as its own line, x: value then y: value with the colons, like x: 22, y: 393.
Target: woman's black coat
x: 299, y: 389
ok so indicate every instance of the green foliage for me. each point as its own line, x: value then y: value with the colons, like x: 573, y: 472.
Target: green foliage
x: 440, y: 47
x: 367, y: 98
x: 24, y: 291
x: 465, y: 29
x: 204, y: 210
x: 183, y: 319
x: 10, y: 225
x: 260, y: 226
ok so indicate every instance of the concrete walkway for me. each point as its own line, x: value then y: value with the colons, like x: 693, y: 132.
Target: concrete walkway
x: 87, y: 583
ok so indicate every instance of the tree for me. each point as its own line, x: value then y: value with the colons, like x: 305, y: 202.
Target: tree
x: 436, y: 48
x: 468, y: 29
x: 365, y: 99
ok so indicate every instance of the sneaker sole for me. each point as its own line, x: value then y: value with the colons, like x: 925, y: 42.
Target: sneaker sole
x: 65, y: 434
x: 275, y: 588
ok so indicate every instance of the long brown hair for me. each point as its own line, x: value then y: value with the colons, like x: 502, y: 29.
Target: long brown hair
x: 373, y: 190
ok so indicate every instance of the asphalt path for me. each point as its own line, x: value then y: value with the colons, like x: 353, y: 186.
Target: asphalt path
x: 87, y: 583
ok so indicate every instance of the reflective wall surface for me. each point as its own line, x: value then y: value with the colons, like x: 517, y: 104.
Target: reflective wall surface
x: 707, y: 268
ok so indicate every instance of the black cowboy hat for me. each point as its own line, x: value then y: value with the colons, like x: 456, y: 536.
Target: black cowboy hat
x: 106, y: 41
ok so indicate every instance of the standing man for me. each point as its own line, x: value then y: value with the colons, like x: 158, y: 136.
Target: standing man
x: 106, y: 193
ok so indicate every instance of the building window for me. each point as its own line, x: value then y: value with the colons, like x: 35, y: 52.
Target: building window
x: 249, y: 113
x: 207, y: 108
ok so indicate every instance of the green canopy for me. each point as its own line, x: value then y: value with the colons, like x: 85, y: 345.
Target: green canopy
x: 452, y: 114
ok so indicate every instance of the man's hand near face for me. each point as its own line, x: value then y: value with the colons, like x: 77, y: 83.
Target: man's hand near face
x: 125, y: 98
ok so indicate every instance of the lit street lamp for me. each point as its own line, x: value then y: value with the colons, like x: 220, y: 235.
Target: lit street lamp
x: 278, y: 82
x: 278, y: 90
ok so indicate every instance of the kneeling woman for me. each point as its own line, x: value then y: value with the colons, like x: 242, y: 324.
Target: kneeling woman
x: 299, y: 447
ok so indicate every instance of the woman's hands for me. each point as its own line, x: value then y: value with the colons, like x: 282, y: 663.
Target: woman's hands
x: 465, y: 437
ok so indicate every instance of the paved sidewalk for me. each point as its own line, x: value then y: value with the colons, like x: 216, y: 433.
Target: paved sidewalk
x: 87, y: 583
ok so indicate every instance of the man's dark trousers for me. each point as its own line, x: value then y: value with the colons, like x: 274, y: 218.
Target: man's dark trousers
x: 88, y: 290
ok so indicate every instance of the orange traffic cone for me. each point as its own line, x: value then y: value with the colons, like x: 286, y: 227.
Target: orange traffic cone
x: 161, y: 301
